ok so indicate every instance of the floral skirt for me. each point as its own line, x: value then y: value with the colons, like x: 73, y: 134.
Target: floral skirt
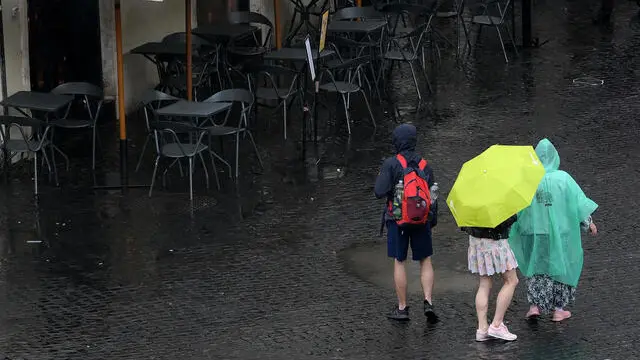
x: 488, y: 256
x: 549, y: 294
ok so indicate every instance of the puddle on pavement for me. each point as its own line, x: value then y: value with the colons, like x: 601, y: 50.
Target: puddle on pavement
x: 370, y: 263
x: 587, y: 81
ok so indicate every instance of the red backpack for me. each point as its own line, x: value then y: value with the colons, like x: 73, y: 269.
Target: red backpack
x: 413, y: 206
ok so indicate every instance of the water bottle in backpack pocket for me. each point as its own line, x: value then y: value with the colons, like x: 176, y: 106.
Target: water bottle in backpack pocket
x: 412, y: 197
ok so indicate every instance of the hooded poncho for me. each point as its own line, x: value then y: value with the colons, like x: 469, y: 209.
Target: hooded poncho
x: 546, y: 239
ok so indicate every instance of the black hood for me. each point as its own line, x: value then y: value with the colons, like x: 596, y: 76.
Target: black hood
x: 405, y: 138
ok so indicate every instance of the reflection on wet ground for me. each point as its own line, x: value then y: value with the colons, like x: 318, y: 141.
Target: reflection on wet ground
x: 291, y: 265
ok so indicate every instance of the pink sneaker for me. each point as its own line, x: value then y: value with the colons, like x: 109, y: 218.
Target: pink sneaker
x: 501, y: 332
x: 560, y: 315
x: 533, y: 312
x: 482, y: 335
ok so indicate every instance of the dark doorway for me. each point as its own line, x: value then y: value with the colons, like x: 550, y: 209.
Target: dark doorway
x: 215, y: 11
x: 64, y: 42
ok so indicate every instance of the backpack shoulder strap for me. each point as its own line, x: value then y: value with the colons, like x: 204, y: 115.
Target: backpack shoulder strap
x: 422, y: 164
x: 402, y: 160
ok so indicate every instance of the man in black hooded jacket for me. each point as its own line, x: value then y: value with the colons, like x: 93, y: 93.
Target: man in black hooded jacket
x: 398, y: 239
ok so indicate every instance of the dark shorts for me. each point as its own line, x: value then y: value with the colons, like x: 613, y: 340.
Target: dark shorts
x: 398, y: 242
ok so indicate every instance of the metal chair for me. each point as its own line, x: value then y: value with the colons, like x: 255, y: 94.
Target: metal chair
x: 151, y: 101
x: 357, y: 49
x: 244, y: 56
x: 252, y: 18
x: 32, y: 143
x: 206, y: 63
x: 410, y: 52
x: 488, y: 18
x: 90, y: 97
x: 360, y: 13
x: 168, y: 145
x: 270, y: 91
x: 453, y: 10
x: 245, y: 99
x: 349, y: 83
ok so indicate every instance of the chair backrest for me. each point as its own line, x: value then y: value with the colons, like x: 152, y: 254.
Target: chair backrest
x: 152, y: 100
x: 273, y: 70
x: 248, y: 17
x: 232, y: 95
x: 152, y: 96
x: 177, y: 127
x: 354, y: 12
x: 236, y: 96
x: 79, y: 88
x: 40, y: 128
x: 85, y: 92
x: 167, y: 132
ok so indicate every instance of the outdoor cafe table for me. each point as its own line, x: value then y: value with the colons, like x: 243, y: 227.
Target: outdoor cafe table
x: 194, y: 110
x: 154, y: 50
x: 47, y: 103
x: 297, y: 55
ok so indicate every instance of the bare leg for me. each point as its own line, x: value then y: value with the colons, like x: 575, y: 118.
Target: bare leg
x: 504, y: 296
x: 482, y: 302
x: 400, y: 279
x: 426, y: 278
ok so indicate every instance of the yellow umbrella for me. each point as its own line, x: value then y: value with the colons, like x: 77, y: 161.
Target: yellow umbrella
x: 495, y: 185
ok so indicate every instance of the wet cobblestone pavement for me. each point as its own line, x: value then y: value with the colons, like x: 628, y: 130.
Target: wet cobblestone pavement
x: 289, y: 268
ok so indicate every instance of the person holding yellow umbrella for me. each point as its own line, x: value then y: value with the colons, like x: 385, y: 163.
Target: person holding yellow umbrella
x: 488, y: 193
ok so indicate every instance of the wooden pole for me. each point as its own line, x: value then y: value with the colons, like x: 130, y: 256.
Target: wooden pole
x: 276, y: 19
x: 359, y: 3
x: 189, y: 50
x: 124, y: 177
x: 120, y: 74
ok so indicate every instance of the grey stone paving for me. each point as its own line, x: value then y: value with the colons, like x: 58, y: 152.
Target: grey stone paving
x: 136, y: 278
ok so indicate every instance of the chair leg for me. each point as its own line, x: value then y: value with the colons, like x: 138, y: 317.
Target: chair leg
x: 513, y: 41
x: 53, y: 163
x: 144, y: 149
x: 346, y: 113
x: 46, y: 161
x: 504, y: 51
x: 213, y: 153
x: 475, y: 46
x: 366, y: 101
x: 206, y: 172
x: 255, y: 148
x: 237, y: 155
x: 426, y: 77
x: 215, y: 170
x: 153, y: 177
x: 415, y: 80
x: 93, y: 150
x: 284, y: 106
x: 191, y: 178
x: 35, y: 172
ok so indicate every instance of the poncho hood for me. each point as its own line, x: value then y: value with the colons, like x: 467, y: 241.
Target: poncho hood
x: 548, y: 154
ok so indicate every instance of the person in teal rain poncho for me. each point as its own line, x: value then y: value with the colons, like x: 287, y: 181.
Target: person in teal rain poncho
x: 546, y: 239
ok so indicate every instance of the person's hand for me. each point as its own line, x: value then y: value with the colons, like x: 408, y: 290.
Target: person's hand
x: 593, y: 229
